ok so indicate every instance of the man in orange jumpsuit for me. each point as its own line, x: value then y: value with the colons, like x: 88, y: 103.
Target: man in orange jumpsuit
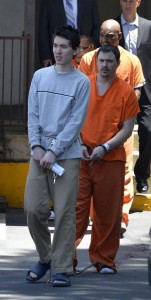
x: 110, y: 119
x: 129, y: 70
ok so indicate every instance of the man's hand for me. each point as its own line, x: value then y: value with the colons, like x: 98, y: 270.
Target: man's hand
x: 38, y: 153
x: 85, y: 154
x: 48, y: 160
x: 47, y: 62
x: 97, y: 153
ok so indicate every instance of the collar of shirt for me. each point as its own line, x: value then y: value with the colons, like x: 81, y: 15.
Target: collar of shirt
x: 124, y: 22
x: 75, y: 9
x: 130, y: 32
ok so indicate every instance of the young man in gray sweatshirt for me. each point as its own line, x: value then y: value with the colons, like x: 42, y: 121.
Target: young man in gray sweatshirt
x: 58, y: 100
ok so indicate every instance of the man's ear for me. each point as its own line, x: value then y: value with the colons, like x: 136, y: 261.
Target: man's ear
x: 120, y: 35
x: 138, y: 3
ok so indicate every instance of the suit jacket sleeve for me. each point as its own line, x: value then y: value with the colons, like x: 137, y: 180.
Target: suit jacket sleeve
x: 44, y: 38
x: 121, y: 41
x: 96, y: 24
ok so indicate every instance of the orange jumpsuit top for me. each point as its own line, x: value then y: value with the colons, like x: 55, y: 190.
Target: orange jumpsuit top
x: 130, y: 69
x: 107, y: 113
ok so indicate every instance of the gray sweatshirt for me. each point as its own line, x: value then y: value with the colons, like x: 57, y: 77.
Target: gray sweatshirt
x: 57, y: 108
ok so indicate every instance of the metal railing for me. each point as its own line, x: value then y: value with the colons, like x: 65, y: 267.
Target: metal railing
x: 15, y: 77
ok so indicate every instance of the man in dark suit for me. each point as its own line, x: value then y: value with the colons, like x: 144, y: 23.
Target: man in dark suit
x: 136, y: 37
x: 54, y: 14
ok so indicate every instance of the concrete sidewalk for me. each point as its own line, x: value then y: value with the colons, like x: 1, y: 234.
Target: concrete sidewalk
x: 17, y: 254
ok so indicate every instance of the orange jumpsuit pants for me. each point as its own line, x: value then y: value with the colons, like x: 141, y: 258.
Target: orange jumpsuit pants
x: 128, y: 184
x: 104, y: 181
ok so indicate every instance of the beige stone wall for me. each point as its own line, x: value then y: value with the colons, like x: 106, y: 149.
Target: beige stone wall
x: 14, y: 147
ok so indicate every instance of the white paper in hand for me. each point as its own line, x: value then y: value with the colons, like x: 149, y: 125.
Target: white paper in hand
x: 58, y: 169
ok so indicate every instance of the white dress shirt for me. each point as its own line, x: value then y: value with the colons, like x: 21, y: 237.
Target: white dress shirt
x: 130, y: 31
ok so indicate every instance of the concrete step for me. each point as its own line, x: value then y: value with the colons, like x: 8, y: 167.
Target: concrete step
x: 2, y: 225
x: 3, y: 204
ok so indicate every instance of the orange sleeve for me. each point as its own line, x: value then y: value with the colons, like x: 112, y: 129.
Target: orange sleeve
x: 139, y: 79
x: 130, y: 69
x: 132, y: 106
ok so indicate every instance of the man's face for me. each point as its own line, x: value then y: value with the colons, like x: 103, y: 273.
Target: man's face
x: 85, y: 47
x: 107, y: 64
x: 62, y: 51
x: 129, y: 7
x: 108, y: 36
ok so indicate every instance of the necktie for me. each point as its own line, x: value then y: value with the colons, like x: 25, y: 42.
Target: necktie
x: 69, y: 13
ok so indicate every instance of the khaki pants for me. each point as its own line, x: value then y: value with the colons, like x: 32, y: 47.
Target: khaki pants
x: 40, y: 188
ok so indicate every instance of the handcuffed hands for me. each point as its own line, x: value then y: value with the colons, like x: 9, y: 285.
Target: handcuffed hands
x: 85, y: 154
x: 97, y: 153
x: 38, y: 153
x: 48, y: 160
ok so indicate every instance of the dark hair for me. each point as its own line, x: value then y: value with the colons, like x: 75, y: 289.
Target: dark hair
x: 69, y: 33
x: 89, y: 39
x: 110, y: 48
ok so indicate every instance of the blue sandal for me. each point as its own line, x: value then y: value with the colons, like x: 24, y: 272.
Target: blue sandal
x: 40, y: 269
x: 61, y: 280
